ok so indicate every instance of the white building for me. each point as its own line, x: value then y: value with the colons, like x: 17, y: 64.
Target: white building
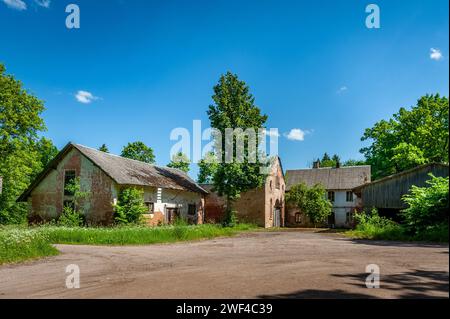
x: 339, y: 183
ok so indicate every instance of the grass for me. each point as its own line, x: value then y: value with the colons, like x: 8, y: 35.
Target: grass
x: 22, y: 243
x: 138, y: 235
x: 19, y: 244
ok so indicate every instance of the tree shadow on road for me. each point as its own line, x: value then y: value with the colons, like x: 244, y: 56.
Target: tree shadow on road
x: 416, y: 284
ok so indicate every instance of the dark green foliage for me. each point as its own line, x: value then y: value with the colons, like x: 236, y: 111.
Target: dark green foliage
x: 207, y: 168
x: 103, y: 148
x: 139, y: 152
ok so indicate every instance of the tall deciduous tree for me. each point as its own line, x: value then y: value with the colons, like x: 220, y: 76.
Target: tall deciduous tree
x: 180, y: 161
x: 139, y: 151
x: 20, y: 160
x: 234, y: 107
x: 412, y: 137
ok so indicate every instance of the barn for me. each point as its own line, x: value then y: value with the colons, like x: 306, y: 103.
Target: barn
x: 386, y: 194
x: 168, y: 192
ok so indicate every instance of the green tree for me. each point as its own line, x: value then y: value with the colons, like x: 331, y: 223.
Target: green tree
x: 180, y: 161
x: 130, y: 206
x: 72, y: 215
x: 47, y: 151
x: 103, y: 148
x: 411, y: 137
x: 311, y: 201
x: 20, y: 122
x: 234, y: 108
x: 207, y: 168
x: 139, y: 151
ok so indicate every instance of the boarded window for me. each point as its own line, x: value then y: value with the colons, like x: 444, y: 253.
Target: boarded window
x: 192, y: 210
x: 349, y: 196
x: 69, y: 179
x: 331, y: 196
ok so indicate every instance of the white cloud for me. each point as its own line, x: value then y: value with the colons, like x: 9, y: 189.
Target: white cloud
x: 436, y: 54
x: 296, y: 134
x: 85, y: 97
x: 342, y: 89
x: 16, y: 4
x: 43, y: 3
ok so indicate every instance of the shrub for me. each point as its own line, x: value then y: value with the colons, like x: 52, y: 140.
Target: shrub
x: 373, y: 226
x: 130, y: 206
x: 231, y: 219
x: 70, y: 218
x: 428, y: 206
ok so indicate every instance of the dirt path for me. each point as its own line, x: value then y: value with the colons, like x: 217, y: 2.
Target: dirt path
x: 254, y: 265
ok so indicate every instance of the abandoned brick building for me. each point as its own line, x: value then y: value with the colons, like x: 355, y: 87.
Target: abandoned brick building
x: 168, y: 192
x: 339, y: 183
x: 263, y: 206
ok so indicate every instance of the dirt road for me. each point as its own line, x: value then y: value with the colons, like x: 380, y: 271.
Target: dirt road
x: 287, y: 264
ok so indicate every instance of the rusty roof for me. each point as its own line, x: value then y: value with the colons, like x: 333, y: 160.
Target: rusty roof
x: 347, y: 177
x: 125, y: 171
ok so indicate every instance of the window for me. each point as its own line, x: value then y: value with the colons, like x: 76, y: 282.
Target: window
x: 192, y: 209
x: 69, y: 178
x: 349, y: 217
x: 151, y: 207
x: 331, y: 196
x: 277, y: 182
x: 270, y: 185
x: 298, y: 218
x: 350, y: 196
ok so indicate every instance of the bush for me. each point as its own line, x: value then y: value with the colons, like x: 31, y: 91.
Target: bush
x: 130, y: 206
x: 70, y: 218
x: 428, y: 206
x: 231, y: 219
x: 373, y: 226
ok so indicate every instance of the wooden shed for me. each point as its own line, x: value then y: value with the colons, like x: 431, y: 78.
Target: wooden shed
x: 386, y: 193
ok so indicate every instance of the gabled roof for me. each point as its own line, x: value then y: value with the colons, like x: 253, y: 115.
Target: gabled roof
x: 343, y: 178
x: 124, y: 171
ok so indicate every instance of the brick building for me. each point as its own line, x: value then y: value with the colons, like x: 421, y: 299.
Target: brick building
x: 168, y: 192
x: 264, y: 206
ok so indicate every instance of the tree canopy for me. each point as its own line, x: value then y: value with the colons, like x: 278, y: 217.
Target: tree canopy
x: 139, y: 151
x: 410, y: 138
x: 22, y: 153
x: 103, y: 148
x: 234, y: 107
x: 180, y: 161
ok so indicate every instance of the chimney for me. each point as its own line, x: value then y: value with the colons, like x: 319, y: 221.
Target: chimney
x: 316, y: 164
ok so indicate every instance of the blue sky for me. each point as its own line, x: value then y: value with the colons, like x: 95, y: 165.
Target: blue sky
x: 150, y: 66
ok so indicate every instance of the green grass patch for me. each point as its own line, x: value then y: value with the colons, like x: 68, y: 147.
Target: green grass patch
x: 138, y: 235
x: 19, y: 244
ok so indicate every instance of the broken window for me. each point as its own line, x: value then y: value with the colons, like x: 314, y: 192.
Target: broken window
x: 69, y: 179
x: 151, y: 207
x: 331, y: 196
x: 350, y: 196
x: 69, y: 204
x: 192, y: 209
